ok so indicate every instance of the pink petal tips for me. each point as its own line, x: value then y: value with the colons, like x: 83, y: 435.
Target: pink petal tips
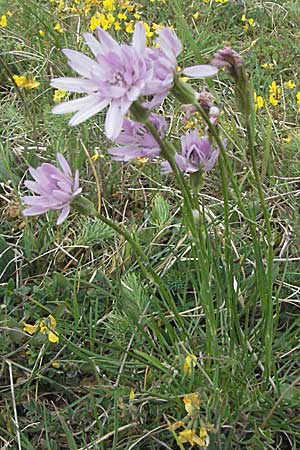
x: 55, y: 188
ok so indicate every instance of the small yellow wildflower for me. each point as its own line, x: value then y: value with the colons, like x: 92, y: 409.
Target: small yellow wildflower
x: 55, y: 364
x: 41, y: 33
x: 58, y: 95
x: 122, y: 16
x: 243, y: 18
x: 129, y: 27
x: 258, y: 101
x: 131, y: 395
x: 253, y: 43
x: 269, y: 66
x: 148, y: 31
x: 157, y: 26
x: 175, y: 425
x: 196, y: 15
x: 275, y: 93
x: 94, y: 23
x: 251, y: 22
x: 273, y: 100
x: 142, y: 161
x: 117, y: 26
x: 60, y: 5
x: 3, y: 21
x: 192, y: 403
x: 275, y: 90
x: 58, y: 28
x: 191, y: 437
x: 287, y: 139
x: 137, y: 16
x: 24, y: 82
x: 290, y: 84
x: 189, y: 362
x: 109, y: 5
x: 298, y: 98
x: 9, y: 13
x: 44, y: 327
x: 30, y: 329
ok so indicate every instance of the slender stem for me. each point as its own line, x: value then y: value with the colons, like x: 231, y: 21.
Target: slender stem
x: 197, y: 232
x: 268, y: 302
x: 143, y: 261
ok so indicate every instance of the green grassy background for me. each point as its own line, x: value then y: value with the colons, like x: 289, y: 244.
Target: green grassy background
x: 116, y: 334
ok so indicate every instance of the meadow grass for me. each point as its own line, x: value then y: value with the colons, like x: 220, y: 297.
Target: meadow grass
x: 214, y: 312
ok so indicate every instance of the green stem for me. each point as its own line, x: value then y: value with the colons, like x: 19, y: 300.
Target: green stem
x: 197, y: 232
x: 143, y: 261
x: 267, y: 301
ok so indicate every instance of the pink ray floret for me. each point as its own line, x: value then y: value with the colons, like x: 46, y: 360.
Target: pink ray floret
x: 197, y: 153
x: 55, y: 188
x: 115, y: 78
x: 135, y: 141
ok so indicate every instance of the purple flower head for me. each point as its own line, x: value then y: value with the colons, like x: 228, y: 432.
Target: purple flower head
x: 197, y: 154
x: 164, y: 62
x: 205, y: 100
x: 229, y: 58
x: 117, y: 77
x: 136, y: 141
x: 55, y: 188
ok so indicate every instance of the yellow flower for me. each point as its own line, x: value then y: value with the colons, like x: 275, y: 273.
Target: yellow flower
x: 9, y: 13
x: 251, y: 22
x: 30, y: 329
x: 269, y: 66
x: 157, y: 26
x: 290, y: 84
x: 189, y: 362
x: 117, y: 26
x: 3, y: 21
x: 58, y: 28
x: 273, y: 100
x: 55, y: 364
x: 243, y: 18
x: 287, y: 139
x: 298, y: 98
x: 129, y: 27
x: 175, y: 425
x: 137, y: 16
x: 41, y: 33
x: 131, y: 395
x: 274, y: 89
x: 59, y: 94
x: 141, y: 161
x: 196, y: 15
x: 191, y: 437
x: 24, y: 82
x: 44, y: 326
x: 109, y: 5
x: 149, y: 33
x: 94, y: 23
x: 258, y: 101
x: 192, y: 403
x: 122, y: 16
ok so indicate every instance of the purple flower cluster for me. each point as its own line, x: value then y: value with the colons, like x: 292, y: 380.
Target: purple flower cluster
x: 55, y: 188
x: 120, y: 74
x: 197, y: 154
x: 136, y: 141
